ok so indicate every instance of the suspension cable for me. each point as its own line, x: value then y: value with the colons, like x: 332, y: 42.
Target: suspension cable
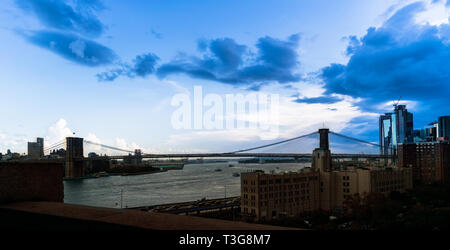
x: 56, y: 144
x: 272, y: 144
x: 359, y: 140
x: 109, y: 147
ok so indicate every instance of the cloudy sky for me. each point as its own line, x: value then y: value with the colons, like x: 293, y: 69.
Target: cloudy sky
x: 108, y: 70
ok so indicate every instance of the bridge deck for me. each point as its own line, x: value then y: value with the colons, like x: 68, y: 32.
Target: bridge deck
x: 228, y: 155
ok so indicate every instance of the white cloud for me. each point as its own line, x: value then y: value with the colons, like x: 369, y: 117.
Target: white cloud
x: 389, y: 106
x: 57, y: 132
x: 91, y: 147
x: 435, y: 14
x: 122, y: 144
x: 16, y: 142
x: 309, y: 90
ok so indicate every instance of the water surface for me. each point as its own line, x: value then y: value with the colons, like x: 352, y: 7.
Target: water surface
x: 194, y: 182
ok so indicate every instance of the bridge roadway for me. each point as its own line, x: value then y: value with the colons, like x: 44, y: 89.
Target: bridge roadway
x: 240, y: 155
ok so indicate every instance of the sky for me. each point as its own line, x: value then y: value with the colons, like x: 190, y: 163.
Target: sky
x: 108, y: 71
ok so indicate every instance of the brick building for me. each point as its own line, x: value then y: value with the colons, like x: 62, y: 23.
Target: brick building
x: 265, y: 196
x: 430, y: 161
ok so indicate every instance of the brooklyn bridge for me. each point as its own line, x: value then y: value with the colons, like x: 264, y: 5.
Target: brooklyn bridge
x: 74, y: 155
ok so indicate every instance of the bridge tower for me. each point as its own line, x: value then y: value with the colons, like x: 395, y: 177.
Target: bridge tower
x: 324, y: 142
x: 74, y: 157
x: 321, y: 157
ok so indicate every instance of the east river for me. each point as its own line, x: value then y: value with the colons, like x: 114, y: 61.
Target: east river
x: 194, y: 182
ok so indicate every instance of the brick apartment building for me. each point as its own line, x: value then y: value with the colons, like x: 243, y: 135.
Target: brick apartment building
x: 430, y: 161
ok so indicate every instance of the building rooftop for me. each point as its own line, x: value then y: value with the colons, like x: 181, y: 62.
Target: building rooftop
x: 56, y: 215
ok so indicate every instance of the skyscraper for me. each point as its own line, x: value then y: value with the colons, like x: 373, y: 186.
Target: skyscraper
x: 444, y: 126
x: 40, y: 141
x: 36, y: 149
x: 395, y: 128
x: 404, y: 123
x: 386, y: 138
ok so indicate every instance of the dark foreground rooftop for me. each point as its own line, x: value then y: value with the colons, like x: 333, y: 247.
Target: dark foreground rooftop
x: 56, y: 215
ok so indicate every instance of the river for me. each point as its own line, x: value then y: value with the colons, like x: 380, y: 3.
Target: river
x: 194, y: 182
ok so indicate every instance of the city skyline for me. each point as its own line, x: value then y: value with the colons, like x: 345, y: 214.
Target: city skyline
x: 110, y: 79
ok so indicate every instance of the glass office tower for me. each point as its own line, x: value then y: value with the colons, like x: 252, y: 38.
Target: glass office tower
x: 444, y: 126
x: 395, y: 128
x: 386, y: 133
x: 404, y: 123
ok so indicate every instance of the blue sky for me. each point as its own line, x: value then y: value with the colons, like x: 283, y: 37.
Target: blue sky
x: 107, y: 70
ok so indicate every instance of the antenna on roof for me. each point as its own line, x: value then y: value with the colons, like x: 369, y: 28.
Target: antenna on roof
x: 396, y: 103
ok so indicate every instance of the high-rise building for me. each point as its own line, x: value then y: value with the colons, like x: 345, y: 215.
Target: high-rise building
x: 36, y: 149
x: 429, y: 133
x: 40, y: 141
x: 395, y: 128
x: 404, y: 123
x: 386, y: 134
x: 444, y: 126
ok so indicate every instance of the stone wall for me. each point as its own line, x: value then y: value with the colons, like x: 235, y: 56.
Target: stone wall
x: 31, y: 181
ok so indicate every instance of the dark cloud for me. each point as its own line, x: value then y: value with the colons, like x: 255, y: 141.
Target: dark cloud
x: 80, y: 16
x: 224, y: 60
x: 400, y: 58
x: 68, y: 22
x: 72, y: 47
x: 143, y: 65
x: 321, y: 99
